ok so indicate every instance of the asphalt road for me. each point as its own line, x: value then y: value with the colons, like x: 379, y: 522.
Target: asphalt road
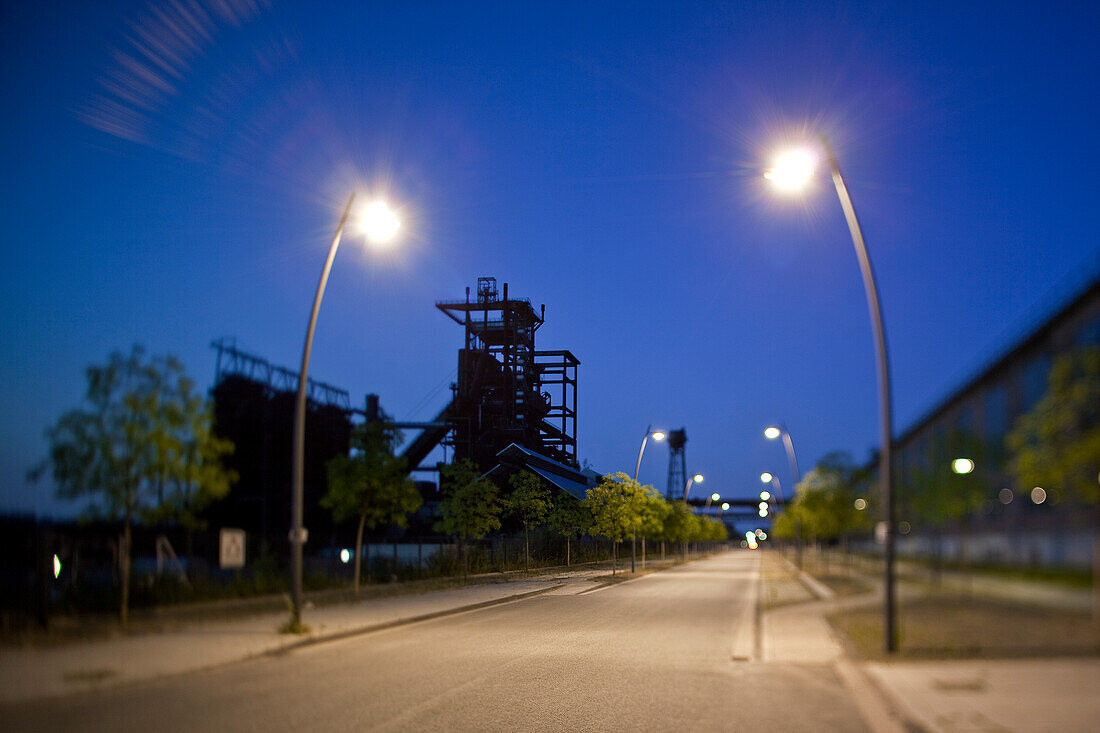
x: 653, y: 654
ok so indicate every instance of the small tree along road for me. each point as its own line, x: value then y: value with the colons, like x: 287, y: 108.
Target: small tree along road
x: 371, y: 484
x: 142, y: 448
x: 529, y: 502
x: 1057, y: 444
x: 470, y: 508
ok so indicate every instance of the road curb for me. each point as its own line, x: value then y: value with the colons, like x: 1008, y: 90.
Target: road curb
x: 372, y: 628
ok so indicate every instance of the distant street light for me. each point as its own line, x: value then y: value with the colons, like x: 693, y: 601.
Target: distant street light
x: 767, y: 478
x: 697, y: 478
x: 379, y: 225
x: 774, y: 432
x: 791, y: 172
x: 658, y: 436
x: 649, y: 433
x: 725, y: 506
x: 962, y: 465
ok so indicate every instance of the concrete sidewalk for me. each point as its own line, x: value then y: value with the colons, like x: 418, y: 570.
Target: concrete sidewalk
x: 931, y: 696
x: 44, y: 671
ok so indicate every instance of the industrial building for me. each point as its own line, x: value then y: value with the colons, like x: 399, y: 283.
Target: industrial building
x: 1011, y: 524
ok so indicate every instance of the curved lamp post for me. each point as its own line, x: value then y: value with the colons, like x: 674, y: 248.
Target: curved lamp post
x: 697, y: 478
x: 379, y: 225
x: 791, y: 172
x: 780, y: 430
x: 657, y: 435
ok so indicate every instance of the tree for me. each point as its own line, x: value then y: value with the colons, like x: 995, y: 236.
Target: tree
x: 371, y: 484
x: 1057, y: 443
x: 681, y: 525
x: 654, y: 511
x: 938, y: 495
x: 615, y: 509
x: 569, y: 518
x: 141, y: 449
x: 827, y: 497
x: 529, y: 502
x: 470, y: 508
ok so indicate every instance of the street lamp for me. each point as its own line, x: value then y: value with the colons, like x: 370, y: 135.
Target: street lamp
x: 791, y: 172
x: 962, y: 465
x: 379, y: 224
x: 658, y: 436
x: 649, y: 432
x: 697, y: 478
x: 773, y: 432
x: 767, y: 478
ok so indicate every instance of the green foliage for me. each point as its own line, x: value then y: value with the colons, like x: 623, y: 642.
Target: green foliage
x: 615, y: 505
x: 681, y: 524
x: 786, y: 523
x: 713, y: 530
x: 569, y: 517
x: 935, y: 493
x: 371, y: 484
x: 824, y: 502
x: 142, y: 447
x: 470, y: 508
x: 530, y: 501
x: 1057, y: 444
x: 654, y: 511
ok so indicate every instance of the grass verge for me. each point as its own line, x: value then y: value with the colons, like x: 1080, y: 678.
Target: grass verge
x: 953, y: 626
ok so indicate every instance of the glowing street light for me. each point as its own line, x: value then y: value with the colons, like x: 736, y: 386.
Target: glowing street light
x: 379, y: 224
x: 765, y: 495
x: 657, y: 435
x: 765, y: 478
x: 775, y: 431
x: 791, y: 172
x: 697, y: 478
x: 725, y: 506
x: 649, y: 433
x: 962, y: 465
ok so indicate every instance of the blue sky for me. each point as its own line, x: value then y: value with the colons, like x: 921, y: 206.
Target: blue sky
x: 601, y: 158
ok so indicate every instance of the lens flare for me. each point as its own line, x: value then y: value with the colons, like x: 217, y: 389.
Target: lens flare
x: 792, y: 170
x: 379, y: 223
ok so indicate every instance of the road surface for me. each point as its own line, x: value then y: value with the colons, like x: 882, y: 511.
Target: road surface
x: 664, y: 652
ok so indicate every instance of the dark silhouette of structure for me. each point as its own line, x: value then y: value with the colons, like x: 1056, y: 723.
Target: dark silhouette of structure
x: 254, y: 407
x: 507, y: 392
x: 512, y: 408
x: 677, y: 466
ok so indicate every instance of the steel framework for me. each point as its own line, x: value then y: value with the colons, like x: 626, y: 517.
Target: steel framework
x: 507, y: 392
x: 677, y: 466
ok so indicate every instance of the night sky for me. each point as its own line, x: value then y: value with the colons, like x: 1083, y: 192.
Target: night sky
x: 174, y: 172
